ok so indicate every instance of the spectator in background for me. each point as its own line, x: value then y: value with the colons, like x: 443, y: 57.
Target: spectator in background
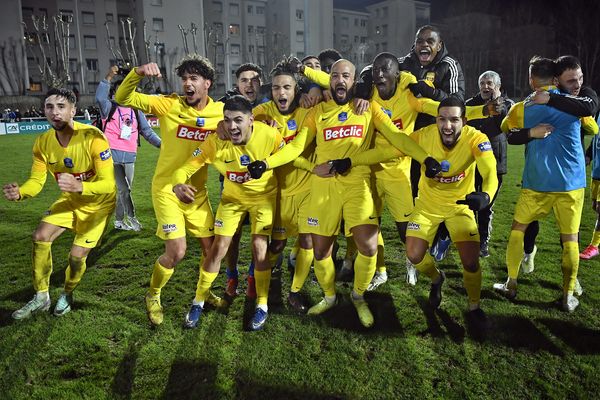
x: 121, y: 126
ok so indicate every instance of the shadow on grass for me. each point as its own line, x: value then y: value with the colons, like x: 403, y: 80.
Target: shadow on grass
x: 519, y: 333
x: 434, y: 328
x: 5, y: 317
x: 581, y: 339
x: 251, y: 387
x: 191, y: 380
x: 122, y: 384
x: 110, y: 240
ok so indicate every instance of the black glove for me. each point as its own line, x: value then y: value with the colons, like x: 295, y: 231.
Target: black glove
x: 257, y: 169
x: 476, y: 200
x: 422, y: 88
x: 340, y: 166
x: 432, y: 167
x: 295, y: 64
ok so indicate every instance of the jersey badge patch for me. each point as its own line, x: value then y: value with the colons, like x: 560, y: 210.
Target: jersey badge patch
x: 291, y: 124
x: 197, y: 152
x: 105, y: 155
x: 342, y: 116
x: 445, y: 166
x: 244, y: 159
x: 68, y: 162
x: 199, y: 121
x: 485, y: 146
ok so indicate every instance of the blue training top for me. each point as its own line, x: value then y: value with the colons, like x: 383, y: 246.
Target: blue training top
x: 555, y: 163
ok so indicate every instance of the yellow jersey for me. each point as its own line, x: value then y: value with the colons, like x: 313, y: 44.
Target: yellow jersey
x: 87, y: 157
x: 182, y: 129
x: 232, y: 162
x: 291, y: 180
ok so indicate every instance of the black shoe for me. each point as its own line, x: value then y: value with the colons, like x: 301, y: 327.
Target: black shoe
x: 484, y: 251
x: 435, y: 293
x: 296, y: 301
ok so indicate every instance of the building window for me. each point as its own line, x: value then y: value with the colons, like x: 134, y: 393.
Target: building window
x: 363, y: 23
x: 300, y: 54
x: 72, y: 43
x: 66, y: 15
x: 73, y: 67
x: 89, y: 42
x: 109, y: 17
x: 251, y: 48
x: 235, y: 49
x: 218, y: 6
x: 35, y: 86
x: 158, y: 25
x: 250, y: 29
x: 345, y: 22
x: 344, y: 39
x: 157, y: 2
x: 250, y: 9
x: 91, y: 64
x: 363, y: 39
x: 91, y: 86
x: 234, y: 30
x: 300, y: 36
x: 234, y: 9
x: 261, y: 30
x: 355, y: 39
x: 384, y: 46
x: 384, y: 30
x: 44, y: 12
x: 218, y: 27
x: 384, y: 12
x: 260, y: 10
x: 300, y: 15
x: 355, y: 21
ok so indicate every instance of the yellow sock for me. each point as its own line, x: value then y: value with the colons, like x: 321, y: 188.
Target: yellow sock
x: 41, y: 257
x: 380, y: 251
x: 160, y: 277
x: 570, y: 265
x: 472, y: 282
x: 364, y: 269
x: 205, y: 281
x: 514, y: 253
x: 351, y: 249
x: 263, y: 280
x: 325, y: 272
x: 74, y: 272
x: 303, y: 261
x: 596, y: 238
x: 427, y: 266
x: 272, y: 258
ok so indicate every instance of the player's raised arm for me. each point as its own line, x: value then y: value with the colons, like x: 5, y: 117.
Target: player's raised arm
x: 126, y: 94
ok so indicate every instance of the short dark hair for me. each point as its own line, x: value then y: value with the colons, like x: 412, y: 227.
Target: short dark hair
x: 387, y: 56
x: 453, y: 101
x: 308, y: 57
x: 238, y: 103
x: 542, y: 68
x: 283, y: 68
x: 431, y: 28
x: 564, y: 63
x: 329, y: 53
x: 196, y: 64
x: 249, y: 67
x: 62, y: 92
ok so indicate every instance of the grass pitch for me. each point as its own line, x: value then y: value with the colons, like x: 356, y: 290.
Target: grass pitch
x: 105, y: 348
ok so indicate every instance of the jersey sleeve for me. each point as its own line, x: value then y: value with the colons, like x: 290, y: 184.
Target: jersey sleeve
x: 375, y: 155
x: 589, y: 125
x: 319, y: 77
x: 126, y: 95
x: 204, y: 154
x: 104, y: 167
x: 304, y: 164
x: 396, y: 137
x: 515, y: 119
x: 294, y: 148
x: 38, y: 175
x: 486, y: 164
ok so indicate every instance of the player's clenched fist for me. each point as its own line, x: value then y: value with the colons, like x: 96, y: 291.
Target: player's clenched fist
x: 185, y: 193
x: 150, y: 69
x: 11, y: 191
x: 68, y: 183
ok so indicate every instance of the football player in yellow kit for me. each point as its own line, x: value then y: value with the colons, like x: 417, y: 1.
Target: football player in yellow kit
x: 185, y: 121
x: 340, y: 133
x: 78, y: 156
x: 294, y: 182
x: 450, y: 198
x: 248, y: 141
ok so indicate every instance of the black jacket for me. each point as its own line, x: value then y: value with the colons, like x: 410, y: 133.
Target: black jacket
x: 491, y: 127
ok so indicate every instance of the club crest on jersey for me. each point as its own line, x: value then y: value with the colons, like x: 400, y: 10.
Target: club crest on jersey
x: 192, y: 133
x: 413, y: 226
x: 387, y: 112
x: 430, y: 76
x: 313, y: 221
x: 199, y: 121
x: 445, y: 166
x: 291, y: 124
x: 343, y: 116
x: 485, y: 146
x: 197, y: 152
x: 105, y: 155
x: 218, y: 223
x: 68, y: 162
x: 167, y: 228
x: 244, y: 160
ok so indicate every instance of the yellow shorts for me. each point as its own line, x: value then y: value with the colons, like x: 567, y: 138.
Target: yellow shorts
x: 175, y: 217
x: 460, y: 223
x: 87, y: 222
x: 231, y: 212
x: 397, y: 195
x: 567, y: 206
x: 290, y: 219
x: 331, y: 200
x: 595, y: 189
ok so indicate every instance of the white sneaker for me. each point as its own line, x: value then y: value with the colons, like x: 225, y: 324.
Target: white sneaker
x: 508, y: 289
x: 378, y: 279
x: 34, y: 305
x: 578, y: 290
x: 570, y: 303
x: 123, y: 226
x: 527, y: 263
x: 411, y: 273
x: 135, y: 224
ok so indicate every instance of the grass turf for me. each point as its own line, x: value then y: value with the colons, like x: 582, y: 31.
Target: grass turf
x: 105, y: 348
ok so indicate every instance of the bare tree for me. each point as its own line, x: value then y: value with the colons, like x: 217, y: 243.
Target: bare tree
x: 13, y: 73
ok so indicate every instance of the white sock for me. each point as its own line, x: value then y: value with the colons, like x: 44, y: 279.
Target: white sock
x: 330, y: 299
x: 44, y: 296
x: 198, y: 303
x: 356, y: 296
x: 263, y: 307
